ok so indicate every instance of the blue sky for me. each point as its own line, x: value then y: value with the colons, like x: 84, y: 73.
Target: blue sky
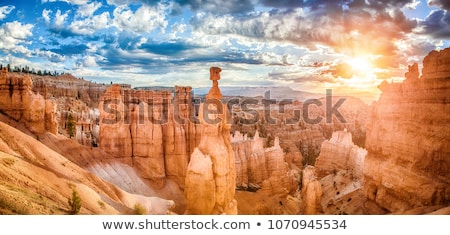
x: 348, y: 45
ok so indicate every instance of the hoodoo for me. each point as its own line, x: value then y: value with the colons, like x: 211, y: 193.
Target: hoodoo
x: 211, y: 174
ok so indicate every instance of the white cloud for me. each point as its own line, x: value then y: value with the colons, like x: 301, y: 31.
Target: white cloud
x: 118, y: 2
x: 46, y: 15
x: 75, y: 2
x: 12, y: 34
x: 271, y: 58
x: 265, y: 25
x: 16, y: 30
x: 178, y: 28
x: 89, y: 61
x: 60, y: 19
x: 88, y: 9
x: 412, y: 5
x: 92, y: 47
x: 145, y: 19
x: 50, y: 56
x: 5, y: 10
x: 90, y: 25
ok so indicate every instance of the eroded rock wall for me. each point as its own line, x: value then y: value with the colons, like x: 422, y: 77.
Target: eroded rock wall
x: 19, y: 102
x: 408, y: 139
x: 145, y: 127
x: 340, y: 153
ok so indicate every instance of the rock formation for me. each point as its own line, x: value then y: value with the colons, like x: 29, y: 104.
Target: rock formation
x: 37, y: 180
x: 269, y: 169
x: 180, y: 136
x: 435, y: 65
x: 408, y: 135
x: 214, y: 92
x: 251, y: 169
x: 76, y: 97
x: 282, y: 180
x: 413, y: 72
x: 19, y: 102
x: 142, y: 127
x: 340, y: 153
x: 211, y: 174
x: 311, y: 192
x: 340, y: 170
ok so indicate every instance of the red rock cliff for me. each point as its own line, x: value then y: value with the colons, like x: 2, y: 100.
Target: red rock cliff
x: 408, y: 139
x: 146, y: 129
x: 19, y: 102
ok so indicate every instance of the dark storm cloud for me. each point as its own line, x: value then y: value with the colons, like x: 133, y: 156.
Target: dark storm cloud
x: 116, y: 58
x: 212, y: 6
x: 222, y: 57
x: 64, y: 33
x: 437, y: 24
x: 282, y: 3
x: 218, y: 6
x: 168, y: 48
x: 69, y: 50
x: 378, y: 4
x: 444, y: 4
x: 167, y: 55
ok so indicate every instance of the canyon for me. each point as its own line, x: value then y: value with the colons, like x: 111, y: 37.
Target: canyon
x: 177, y: 153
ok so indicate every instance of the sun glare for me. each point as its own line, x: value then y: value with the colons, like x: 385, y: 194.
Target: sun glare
x: 360, y: 64
x: 363, y: 73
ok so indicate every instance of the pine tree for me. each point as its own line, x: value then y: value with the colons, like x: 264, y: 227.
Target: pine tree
x: 74, y: 203
x: 70, y: 126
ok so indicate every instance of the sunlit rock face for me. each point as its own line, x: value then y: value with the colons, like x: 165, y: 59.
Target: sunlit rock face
x: 408, y: 139
x: 146, y: 130
x: 211, y: 175
x: 250, y: 161
x: 19, y: 102
x: 339, y: 169
x: 270, y: 169
x: 311, y: 192
x: 340, y: 153
x: 436, y: 65
x: 281, y: 180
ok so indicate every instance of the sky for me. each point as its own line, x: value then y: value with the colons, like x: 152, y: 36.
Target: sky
x: 346, y: 45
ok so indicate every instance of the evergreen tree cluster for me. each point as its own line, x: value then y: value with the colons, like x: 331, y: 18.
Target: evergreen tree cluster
x: 26, y: 69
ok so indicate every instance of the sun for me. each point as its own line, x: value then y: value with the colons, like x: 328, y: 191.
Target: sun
x: 363, y: 72
x: 360, y: 64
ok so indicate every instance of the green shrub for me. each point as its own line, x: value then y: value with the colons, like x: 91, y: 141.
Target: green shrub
x: 139, y: 209
x: 102, y: 205
x: 74, y: 203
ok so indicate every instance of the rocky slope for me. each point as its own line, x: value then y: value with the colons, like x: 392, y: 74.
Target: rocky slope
x: 408, y: 161
x: 36, y: 180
